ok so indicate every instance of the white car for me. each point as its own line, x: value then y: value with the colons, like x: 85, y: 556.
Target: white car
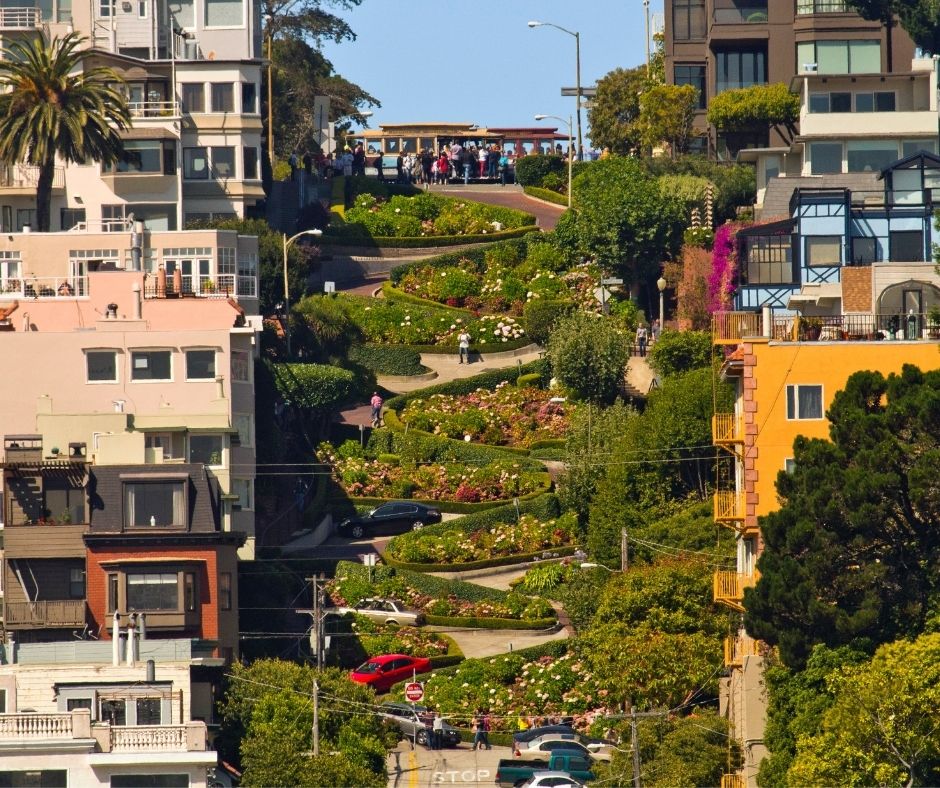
x: 384, y: 611
x: 547, y: 779
x: 545, y: 745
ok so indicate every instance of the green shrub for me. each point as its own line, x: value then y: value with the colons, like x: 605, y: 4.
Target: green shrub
x: 589, y: 356
x: 533, y: 379
x: 542, y: 579
x: 320, y: 387
x: 676, y: 352
x: 531, y: 170
x: 540, y: 315
x: 546, y: 257
x: 388, y: 359
x: 492, y: 623
x: 554, y: 182
x: 545, y: 194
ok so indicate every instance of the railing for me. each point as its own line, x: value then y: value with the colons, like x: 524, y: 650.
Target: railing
x: 122, y: 225
x: 821, y: 7
x: 752, y: 13
x: 35, y: 726
x: 222, y: 286
x: 729, y: 587
x: 737, y: 648
x: 733, y: 781
x: 44, y: 287
x: 729, y: 506
x: 164, y: 738
x: 20, y: 18
x: 727, y: 428
x: 847, y: 328
x: 46, y: 613
x: 153, y: 109
x: 24, y: 176
x: 806, y: 196
x: 729, y: 328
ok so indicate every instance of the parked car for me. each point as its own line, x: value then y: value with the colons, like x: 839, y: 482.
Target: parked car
x: 547, y: 779
x: 414, y: 723
x: 512, y: 772
x: 383, y: 671
x: 553, y: 742
x: 522, y: 739
x: 384, y: 611
x: 388, y: 518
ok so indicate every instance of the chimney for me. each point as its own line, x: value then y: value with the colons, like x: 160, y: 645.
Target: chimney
x: 151, y: 671
x: 135, y: 289
x: 130, y: 659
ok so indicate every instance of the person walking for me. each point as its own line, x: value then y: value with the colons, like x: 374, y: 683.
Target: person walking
x: 443, y: 168
x: 437, y: 731
x: 654, y: 331
x: 463, y: 346
x: 485, y: 730
x: 641, y: 340
x: 376, y: 403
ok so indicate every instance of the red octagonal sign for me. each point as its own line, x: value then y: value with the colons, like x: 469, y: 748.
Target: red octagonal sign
x: 414, y: 691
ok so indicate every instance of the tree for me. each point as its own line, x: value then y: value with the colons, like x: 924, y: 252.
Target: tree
x: 692, y: 292
x: 882, y: 727
x: 734, y: 184
x: 666, y: 115
x: 676, y: 352
x: 615, y: 110
x: 323, y: 328
x: 589, y: 355
x: 624, y: 220
x: 755, y: 109
x: 267, y: 717
x: 851, y: 557
x: 920, y: 18
x: 52, y: 105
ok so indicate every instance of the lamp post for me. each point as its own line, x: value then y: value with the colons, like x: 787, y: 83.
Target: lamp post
x: 646, y: 11
x: 577, y: 74
x: 661, y: 284
x: 287, y: 243
x: 570, y: 152
x: 269, y: 20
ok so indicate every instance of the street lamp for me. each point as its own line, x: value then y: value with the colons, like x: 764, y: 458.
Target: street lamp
x: 577, y: 73
x: 570, y: 151
x: 661, y: 284
x: 287, y: 243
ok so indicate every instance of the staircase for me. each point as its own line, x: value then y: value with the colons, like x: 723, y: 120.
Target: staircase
x: 25, y: 499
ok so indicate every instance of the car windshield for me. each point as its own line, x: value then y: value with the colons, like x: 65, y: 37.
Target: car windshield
x: 369, y: 667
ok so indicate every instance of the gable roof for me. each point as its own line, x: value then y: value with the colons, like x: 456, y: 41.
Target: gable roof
x: 921, y: 159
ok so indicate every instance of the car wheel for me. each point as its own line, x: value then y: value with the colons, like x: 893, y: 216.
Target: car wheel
x: 357, y: 531
x: 392, y: 622
x: 418, y: 525
x: 422, y: 737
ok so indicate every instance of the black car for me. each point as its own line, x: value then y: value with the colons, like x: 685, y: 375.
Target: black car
x: 389, y: 517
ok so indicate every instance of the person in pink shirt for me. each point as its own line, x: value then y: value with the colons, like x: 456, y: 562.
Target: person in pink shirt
x: 376, y: 403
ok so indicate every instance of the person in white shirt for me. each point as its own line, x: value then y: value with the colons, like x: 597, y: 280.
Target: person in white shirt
x: 463, y: 346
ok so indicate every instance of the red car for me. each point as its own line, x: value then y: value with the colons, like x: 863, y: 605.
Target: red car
x: 383, y: 671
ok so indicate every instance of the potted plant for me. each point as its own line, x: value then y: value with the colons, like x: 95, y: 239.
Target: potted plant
x: 933, y: 322
x: 811, y: 327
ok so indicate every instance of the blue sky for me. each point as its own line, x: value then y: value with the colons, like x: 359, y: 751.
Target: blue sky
x: 478, y: 62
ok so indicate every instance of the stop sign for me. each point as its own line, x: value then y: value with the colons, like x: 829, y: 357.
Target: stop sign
x: 414, y: 691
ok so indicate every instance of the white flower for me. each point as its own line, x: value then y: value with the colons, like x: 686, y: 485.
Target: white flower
x: 452, y: 326
x: 398, y: 210
x: 467, y: 438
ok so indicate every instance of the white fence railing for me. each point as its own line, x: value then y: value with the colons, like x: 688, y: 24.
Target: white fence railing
x: 26, y: 176
x: 163, y: 738
x: 44, y: 287
x: 35, y: 726
x: 153, y: 109
x: 20, y: 18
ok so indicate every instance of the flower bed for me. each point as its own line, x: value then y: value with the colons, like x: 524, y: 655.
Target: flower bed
x: 389, y: 477
x: 454, y: 546
x: 378, y: 638
x: 504, y: 416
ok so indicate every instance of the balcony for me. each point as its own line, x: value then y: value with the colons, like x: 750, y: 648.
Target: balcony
x: 729, y: 588
x: 729, y: 328
x: 23, y: 179
x: 729, y: 508
x: 854, y: 328
x: 727, y: 429
x: 804, y: 7
x: 37, y: 727
x: 737, y: 648
x: 153, y: 109
x: 22, y: 18
x: 223, y: 286
x: 158, y: 738
x: 51, y: 287
x: 48, y: 613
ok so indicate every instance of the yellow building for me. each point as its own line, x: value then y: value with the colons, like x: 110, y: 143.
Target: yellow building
x: 783, y: 389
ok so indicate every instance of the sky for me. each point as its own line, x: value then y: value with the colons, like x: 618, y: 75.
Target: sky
x: 479, y: 62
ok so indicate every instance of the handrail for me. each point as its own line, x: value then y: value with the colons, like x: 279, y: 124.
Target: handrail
x: 732, y: 327
x: 153, y: 109
x: 164, y: 738
x: 35, y: 726
x: 44, y: 287
x: 19, y: 18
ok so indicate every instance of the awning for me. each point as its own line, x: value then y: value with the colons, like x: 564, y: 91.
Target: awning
x: 815, y: 295
x: 157, y: 133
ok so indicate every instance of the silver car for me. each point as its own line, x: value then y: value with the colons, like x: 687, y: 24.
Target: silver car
x: 384, y: 611
x: 414, y: 723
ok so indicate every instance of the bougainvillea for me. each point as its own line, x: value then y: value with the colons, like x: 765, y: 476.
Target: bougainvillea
x: 724, y: 269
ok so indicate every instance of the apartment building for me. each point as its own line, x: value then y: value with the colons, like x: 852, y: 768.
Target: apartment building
x: 192, y: 74
x: 718, y: 45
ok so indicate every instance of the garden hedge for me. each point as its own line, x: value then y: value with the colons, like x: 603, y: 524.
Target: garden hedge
x: 486, y: 563
x: 546, y: 194
x: 451, y: 259
x: 393, y: 422
x: 492, y: 623
x: 531, y: 170
x: 431, y: 448
x: 392, y: 293
x: 529, y: 379
x: 346, y: 235
x: 485, y: 380
x: 388, y: 359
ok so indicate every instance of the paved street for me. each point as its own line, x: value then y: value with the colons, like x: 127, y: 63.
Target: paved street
x: 417, y: 768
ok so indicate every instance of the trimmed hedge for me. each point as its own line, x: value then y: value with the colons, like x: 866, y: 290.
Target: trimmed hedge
x: 558, y: 454
x: 485, y: 380
x: 446, y: 660
x: 486, y: 563
x: 431, y: 448
x: 547, y: 195
x: 551, y: 648
x: 543, y: 507
x: 529, y: 379
x: 451, y: 259
x: 349, y: 237
x: 388, y: 359
x: 393, y: 422
x: 492, y: 623
x: 392, y: 293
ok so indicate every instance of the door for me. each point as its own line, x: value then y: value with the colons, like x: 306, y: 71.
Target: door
x: 912, y: 302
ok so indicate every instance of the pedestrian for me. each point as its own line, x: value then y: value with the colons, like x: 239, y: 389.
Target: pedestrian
x: 463, y: 346
x: 476, y: 728
x: 427, y: 164
x: 492, y: 163
x: 654, y: 331
x: 641, y: 340
x: 400, y: 167
x: 293, y: 166
x: 376, y: 403
x: 503, y: 169
x: 486, y: 725
x: 437, y: 731
x: 359, y: 160
x: 308, y: 163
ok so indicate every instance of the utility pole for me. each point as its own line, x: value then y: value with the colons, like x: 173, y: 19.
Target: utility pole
x: 624, y: 554
x: 316, y: 718
x: 317, y: 621
x: 634, y: 738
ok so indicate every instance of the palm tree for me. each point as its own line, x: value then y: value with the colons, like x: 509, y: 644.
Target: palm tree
x: 50, y: 106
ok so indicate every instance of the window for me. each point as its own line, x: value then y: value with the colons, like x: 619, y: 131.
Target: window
x: 200, y: 365
x: 823, y: 250
x: 250, y: 162
x: 76, y: 583
x: 170, y: 442
x: 148, y: 711
x: 194, y: 96
x: 140, y: 156
x: 821, y: 6
x: 101, y: 366
x: 910, y: 147
x: 688, y: 20
x: 34, y: 778
x: 242, y: 488
x: 149, y: 781
x: 206, y: 449
x: 69, y: 217
x: 840, y: 57
x: 740, y: 69
x: 249, y: 98
x: 78, y: 703
x: 113, y: 711
x: 769, y: 259
x: 3, y: 701
x: 64, y: 499
x: 243, y: 423
x: 879, y: 101
x: 195, y: 164
x: 864, y: 251
x: 182, y: 13
x: 155, y: 504
x: 830, y: 102
x: 151, y: 365
x: 825, y: 157
x: 152, y: 591
x: 907, y: 246
x: 223, y: 161
x: 24, y: 217
x: 105, y: 8
x: 694, y: 76
x: 223, y: 97
x: 241, y: 366
x: 190, y: 592
x: 804, y: 402
x: 141, y: 9
x: 225, y: 590
x: 870, y: 155
x: 112, y: 592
